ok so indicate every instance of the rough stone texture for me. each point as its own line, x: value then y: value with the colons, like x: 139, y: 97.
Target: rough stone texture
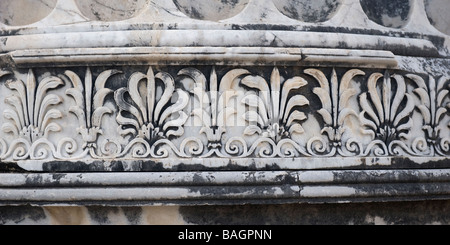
x: 402, y: 213
x: 395, y: 213
x: 93, y: 215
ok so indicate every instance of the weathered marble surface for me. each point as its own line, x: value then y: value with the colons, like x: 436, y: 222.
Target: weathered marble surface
x: 224, y: 188
x: 120, y: 91
x: 149, y: 22
x: 397, y: 213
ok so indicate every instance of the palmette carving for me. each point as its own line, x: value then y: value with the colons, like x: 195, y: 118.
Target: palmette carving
x: 383, y: 117
x: 276, y: 116
x: 433, y: 109
x: 334, y: 97
x: 89, y: 109
x: 30, y: 116
x: 151, y: 112
x: 213, y: 109
x: 144, y: 115
x: 3, y: 145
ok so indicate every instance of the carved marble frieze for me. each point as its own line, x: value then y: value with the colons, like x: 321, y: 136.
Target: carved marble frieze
x: 223, y: 102
x: 148, y: 112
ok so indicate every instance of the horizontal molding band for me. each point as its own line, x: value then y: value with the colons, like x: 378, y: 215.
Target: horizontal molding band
x: 250, y: 56
x: 224, y: 187
x: 234, y: 164
x: 222, y: 178
x: 145, y: 194
x: 219, y: 38
x: 148, y: 179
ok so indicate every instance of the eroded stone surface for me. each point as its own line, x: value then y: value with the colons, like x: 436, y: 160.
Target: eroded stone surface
x: 24, y: 215
x: 400, y: 213
x: 338, y: 214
